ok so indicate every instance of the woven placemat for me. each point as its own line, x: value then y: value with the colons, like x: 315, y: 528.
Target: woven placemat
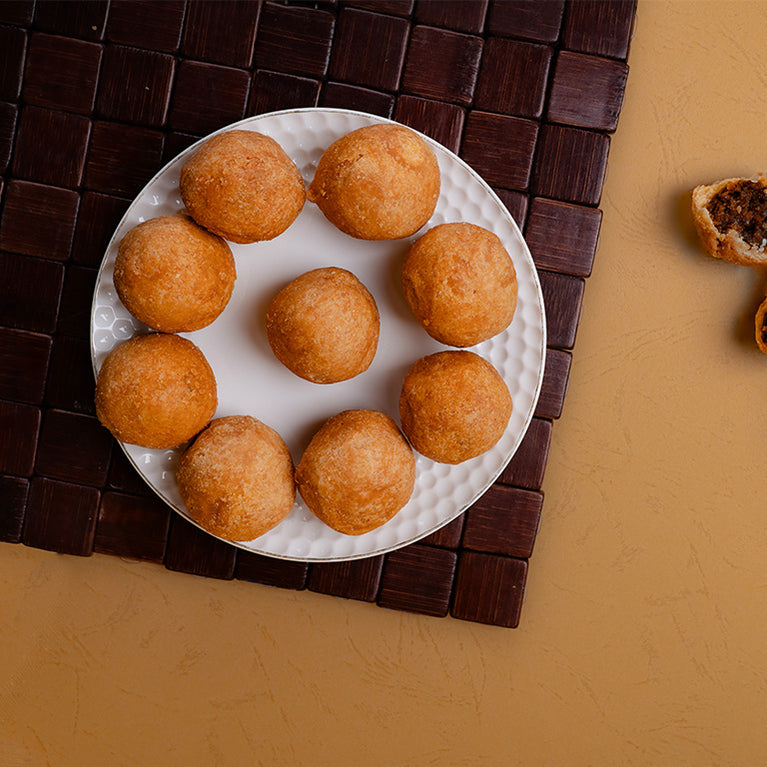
x: 96, y: 96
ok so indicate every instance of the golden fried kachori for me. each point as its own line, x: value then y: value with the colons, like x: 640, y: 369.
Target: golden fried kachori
x: 241, y: 185
x: 237, y: 479
x: 380, y: 182
x: 156, y: 391
x: 454, y: 406
x: 460, y: 284
x: 323, y: 326
x: 357, y: 472
x: 173, y: 275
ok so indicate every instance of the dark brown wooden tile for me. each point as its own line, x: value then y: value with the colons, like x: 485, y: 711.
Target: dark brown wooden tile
x: 528, y: 19
x: 593, y: 26
x: 132, y: 526
x: 74, y: 448
x: 563, y: 237
x: 294, y: 40
x: 23, y: 365
x: 191, y: 550
x: 8, y: 113
x: 272, y: 91
x: 418, y: 579
x: 513, y: 77
x: 368, y: 49
x: 356, y: 579
x: 255, y: 568
x: 504, y: 520
x: 134, y: 85
x: 587, y: 91
x: 207, y: 97
x: 76, y: 297
x: 222, y: 32
x: 19, y: 427
x: 99, y: 216
x: 562, y: 301
x: 124, y: 476
x: 448, y: 536
x: 50, y: 146
x: 146, y: 23
x: 13, y: 504
x: 61, y: 73
x: 38, y: 220
x: 122, y: 158
x: 61, y: 517
x: 441, y: 64
x: 18, y: 12
x: 516, y: 203
x: 570, y: 164
x: 71, y: 384
x: 13, y: 45
x: 441, y: 121
x: 462, y: 15
x: 84, y: 20
x: 554, y: 386
x: 527, y: 466
x: 29, y: 292
x: 489, y: 589
x: 175, y: 143
x: 500, y: 148
x: 342, y: 96
x: 394, y: 7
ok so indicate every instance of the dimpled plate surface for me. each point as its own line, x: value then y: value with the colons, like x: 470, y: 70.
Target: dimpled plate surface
x: 251, y: 381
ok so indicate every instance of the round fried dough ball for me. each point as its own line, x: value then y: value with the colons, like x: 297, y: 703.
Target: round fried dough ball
x: 357, y: 472
x: 173, y: 275
x: 453, y: 406
x: 324, y: 326
x: 377, y: 183
x: 460, y: 284
x: 241, y: 185
x: 156, y: 391
x: 236, y: 479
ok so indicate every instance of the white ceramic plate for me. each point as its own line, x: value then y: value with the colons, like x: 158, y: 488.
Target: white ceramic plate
x: 251, y: 381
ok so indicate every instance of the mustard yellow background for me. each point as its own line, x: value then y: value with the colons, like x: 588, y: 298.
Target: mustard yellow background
x: 643, y: 639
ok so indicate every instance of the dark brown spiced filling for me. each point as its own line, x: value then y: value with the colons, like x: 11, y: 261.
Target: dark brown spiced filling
x: 742, y: 206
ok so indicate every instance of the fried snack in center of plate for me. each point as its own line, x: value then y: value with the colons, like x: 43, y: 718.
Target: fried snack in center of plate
x: 241, y: 185
x: 323, y: 326
x: 156, y: 391
x: 460, y: 284
x: 380, y: 182
x: 454, y: 406
x: 357, y: 472
x: 731, y: 219
x: 236, y: 479
x: 173, y: 275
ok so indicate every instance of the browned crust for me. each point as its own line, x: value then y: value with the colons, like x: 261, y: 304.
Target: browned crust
x: 324, y: 326
x: 156, y: 391
x: 454, y: 406
x: 728, y: 245
x: 173, y: 275
x: 760, y: 326
x: 460, y: 284
x: 380, y: 182
x: 357, y: 472
x: 241, y: 185
x: 237, y: 478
